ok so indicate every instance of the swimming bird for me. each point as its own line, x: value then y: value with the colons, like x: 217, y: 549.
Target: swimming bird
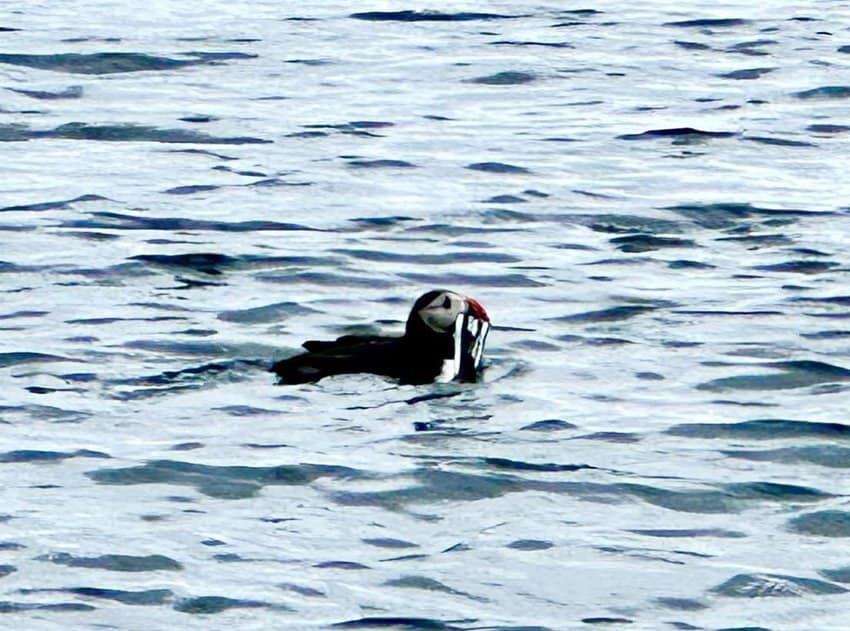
x: 443, y: 340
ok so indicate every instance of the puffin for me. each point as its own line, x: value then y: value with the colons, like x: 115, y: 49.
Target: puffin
x: 443, y: 340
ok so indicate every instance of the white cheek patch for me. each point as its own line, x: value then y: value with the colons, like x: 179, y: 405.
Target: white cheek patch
x: 469, y: 338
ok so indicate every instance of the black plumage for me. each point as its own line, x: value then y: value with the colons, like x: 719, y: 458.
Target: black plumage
x: 416, y: 357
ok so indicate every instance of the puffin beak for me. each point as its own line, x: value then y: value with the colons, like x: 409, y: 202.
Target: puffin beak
x: 474, y: 308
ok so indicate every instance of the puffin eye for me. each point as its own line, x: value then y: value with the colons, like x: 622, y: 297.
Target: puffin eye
x: 447, y: 302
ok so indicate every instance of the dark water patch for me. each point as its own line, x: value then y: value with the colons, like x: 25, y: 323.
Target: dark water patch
x: 618, y: 224
x: 97, y: 63
x: 793, y: 374
x: 718, y: 312
x: 530, y: 545
x: 368, y: 124
x: 5, y: 546
x: 143, y: 597
x: 117, y: 221
x: 429, y: 584
x: 15, y: 132
x: 214, y: 263
x: 501, y: 280
x: 497, y: 167
x: 449, y: 258
x: 301, y: 590
x: 775, y: 491
x: 204, y: 262
x: 727, y: 214
x: 23, y: 314
x: 326, y: 279
x: 341, y: 565
x: 140, y: 133
x: 827, y: 523
x: 839, y: 575
x: 612, y: 314
x: 383, y: 222
x: 411, y: 624
x: 649, y: 242
x: 650, y: 376
x: 40, y: 456
x: 216, y: 56
x: 216, y: 604
x: 680, y: 604
x: 709, y: 23
x: 762, y: 429
x: 46, y: 390
x: 115, y: 562
x: 746, y: 73
x: 191, y: 189
x: 508, y: 215
x: 692, y: 45
x: 192, y: 378
x: 434, y: 486
x: 832, y: 456
x: 61, y: 204
x: 243, y: 410
x: 427, y: 16
x: 108, y: 320
x: 381, y: 164
x: 190, y: 446
x: 198, y: 118
x: 89, y: 235
x: 610, y: 437
x: 388, y: 542
x: 203, y: 152
x: 44, y: 412
x: 826, y: 335
x: 5, y: 570
x: 535, y: 345
x: 223, y: 482
x: 548, y: 425
x: 779, y: 142
x: 266, y: 313
x: 71, y: 92
x: 843, y: 301
x: 686, y: 264
x: 23, y: 357
x: 455, y: 230
x: 518, y: 465
x: 678, y: 133
x: 825, y: 92
x: 694, y: 501
x: 828, y: 129
x: 775, y: 586
x: 606, y: 620
x: 689, y: 533
x: 307, y: 134
x: 508, y: 77
x: 7, y: 606
x: 799, y: 267
x: 531, y: 43
x: 505, y: 199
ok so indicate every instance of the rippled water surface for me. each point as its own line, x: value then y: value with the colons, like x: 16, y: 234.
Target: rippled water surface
x: 650, y: 200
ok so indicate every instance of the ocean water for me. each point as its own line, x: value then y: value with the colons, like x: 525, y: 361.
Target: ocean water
x: 651, y: 201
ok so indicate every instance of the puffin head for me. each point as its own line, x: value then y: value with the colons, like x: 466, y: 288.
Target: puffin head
x: 438, y: 310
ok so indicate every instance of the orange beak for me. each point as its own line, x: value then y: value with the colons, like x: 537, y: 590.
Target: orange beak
x: 474, y: 307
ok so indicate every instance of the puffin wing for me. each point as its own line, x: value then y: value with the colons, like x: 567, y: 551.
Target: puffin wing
x: 346, y: 341
x: 348, y: 354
